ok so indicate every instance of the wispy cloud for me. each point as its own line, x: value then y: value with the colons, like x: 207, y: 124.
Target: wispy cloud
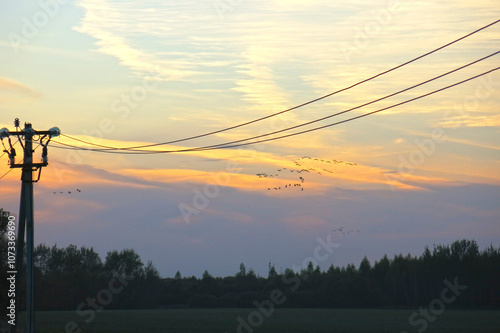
x: 454, y: 139
x: 11, y: 90
x: 490, y: 120
x: 262, y: 56
x: 115, y: 24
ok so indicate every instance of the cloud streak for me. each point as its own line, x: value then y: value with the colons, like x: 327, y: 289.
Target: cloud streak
x: 260, y: 57
x: 12, y: 90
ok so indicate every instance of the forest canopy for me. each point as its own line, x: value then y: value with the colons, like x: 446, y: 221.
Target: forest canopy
x: 67, y: 277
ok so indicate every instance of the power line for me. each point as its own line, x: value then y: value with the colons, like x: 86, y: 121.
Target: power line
x: 351, y: 109
x: 363, y: 115
x: 228, y: 145
x: 357, y: 107
x: 345, y: 111
x: 5, y: 174
x: 295, y: 107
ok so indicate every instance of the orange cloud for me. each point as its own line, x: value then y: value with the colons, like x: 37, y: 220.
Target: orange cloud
x: 242, y: 166
x: 59, y: 175
x: 220, y: 178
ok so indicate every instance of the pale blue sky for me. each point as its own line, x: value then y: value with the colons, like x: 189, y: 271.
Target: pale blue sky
x: 207, y: 70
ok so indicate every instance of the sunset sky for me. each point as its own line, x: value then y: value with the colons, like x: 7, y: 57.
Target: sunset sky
x: 127, y: 73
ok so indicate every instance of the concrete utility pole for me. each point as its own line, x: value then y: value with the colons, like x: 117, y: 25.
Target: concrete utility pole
x: 26, y: 213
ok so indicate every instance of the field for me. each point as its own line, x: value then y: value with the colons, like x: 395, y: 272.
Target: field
x: 282, y: 320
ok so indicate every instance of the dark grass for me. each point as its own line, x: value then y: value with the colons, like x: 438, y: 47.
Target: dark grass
x: 282, y: 320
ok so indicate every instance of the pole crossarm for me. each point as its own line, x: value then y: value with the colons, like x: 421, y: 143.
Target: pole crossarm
x: 34, y: 166
x: 34, y: 132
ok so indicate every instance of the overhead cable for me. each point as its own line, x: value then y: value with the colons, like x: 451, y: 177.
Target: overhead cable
x: 295, y: 107
x: 228, y: 145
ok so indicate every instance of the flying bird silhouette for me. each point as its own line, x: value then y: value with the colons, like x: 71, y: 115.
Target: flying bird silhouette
x: 68, y: 192
x: 302, y: 180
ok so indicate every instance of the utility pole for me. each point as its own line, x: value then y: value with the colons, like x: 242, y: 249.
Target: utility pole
x: 26, y: 211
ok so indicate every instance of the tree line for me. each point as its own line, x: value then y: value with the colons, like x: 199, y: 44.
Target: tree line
x: 67, y: 277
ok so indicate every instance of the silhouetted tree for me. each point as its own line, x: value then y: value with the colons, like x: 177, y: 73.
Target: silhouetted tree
x: 272, y: 272
x: 67, y: 276
x: 243, y: 271
x: 365, y: 267
x: 126, y: 261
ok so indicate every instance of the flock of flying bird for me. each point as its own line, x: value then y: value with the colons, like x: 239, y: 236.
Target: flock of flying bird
x: 299, y: 163
x: 344, y: 232
x: 68, y: 192
x: 298, y: 184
